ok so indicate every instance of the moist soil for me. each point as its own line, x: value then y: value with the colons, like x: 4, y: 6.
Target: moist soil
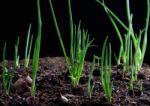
x: 54, y: 87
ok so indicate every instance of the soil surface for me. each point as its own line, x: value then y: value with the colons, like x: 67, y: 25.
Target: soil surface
x: 54, y: 88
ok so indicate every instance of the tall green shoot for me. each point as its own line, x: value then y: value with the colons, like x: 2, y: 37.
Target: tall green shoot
x: 139, y: 50
x: 36, y: 52
x: 59, y: 34
x: 79, y: 44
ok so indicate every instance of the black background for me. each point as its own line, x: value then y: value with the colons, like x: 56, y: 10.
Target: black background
x: 16, y: 15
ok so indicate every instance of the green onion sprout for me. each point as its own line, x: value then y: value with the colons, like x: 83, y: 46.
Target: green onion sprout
x: 105, y: 70
x: 36, y: 52
x: 79, y: 44
x: 90, y: 79
x: 139, y: 46
x: 28, y: 48
x: 16, y: 56
x: 7, y: 74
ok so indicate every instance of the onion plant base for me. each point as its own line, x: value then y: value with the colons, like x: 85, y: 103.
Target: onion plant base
x: 52, y: 79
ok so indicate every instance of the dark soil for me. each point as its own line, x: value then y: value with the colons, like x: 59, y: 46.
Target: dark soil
x: 53, y: 84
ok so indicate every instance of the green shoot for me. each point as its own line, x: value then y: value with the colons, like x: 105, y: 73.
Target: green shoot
x: 105, y: 71
x: 131, y: 81
x: 132, y: 71
x: 141, y: 85
x: 16, y: 56
x: 36, y: 52
x: 28, y: 48
x: 59, y: 34
x: 140, y: 47
x: 90, y: 79
x: 126, y: 49
x: 7, y: 75
x: 90, y: 76
x: 79, y: 44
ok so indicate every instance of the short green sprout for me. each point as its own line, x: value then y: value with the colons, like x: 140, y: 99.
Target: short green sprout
x: 16, y: 56
x: 7, y: 74
x: 90, y: 76
x: 28, y: 48
x: 90, y: 79
x: 141, y: 85
x: 105, y: 70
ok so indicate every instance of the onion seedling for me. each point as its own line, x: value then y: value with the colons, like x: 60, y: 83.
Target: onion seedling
x: 16, y: 56
x: 132, y: 70
x: 141, y: 86
x: 7, y: 75
x: 28, y: 48
x: 90, y: 76
x: 79, y: 44
x: 105, y: 70
x: 90, y: 79
x: 36, y: 52
x: 140, y: 47
x: 131, y: 80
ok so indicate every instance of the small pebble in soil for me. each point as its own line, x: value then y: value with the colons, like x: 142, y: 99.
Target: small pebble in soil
x: 23, y: 84
x: 64, y: 99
